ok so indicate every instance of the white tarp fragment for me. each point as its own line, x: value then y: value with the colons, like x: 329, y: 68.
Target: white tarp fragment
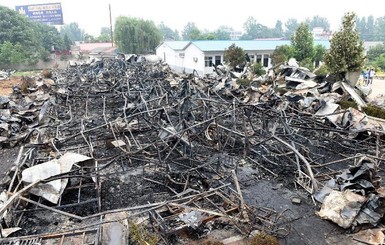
x: 341, y: 207
x: 52, y: 190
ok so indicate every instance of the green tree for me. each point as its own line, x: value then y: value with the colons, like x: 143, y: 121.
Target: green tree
x: 255, y: 30
x: 73, y: 31
x: 67, y: 42
x: 234, y: 55
x: 278, y: 29
x: 49, y: 37
x: 370, y: 29
x: 223, y: 32
x: 11, y: 54
x: 133, y: 35
x: 346, y: 51
x: 375, y: 52
x: 167, y: 32
x: 191, y: 32
x: 105, y: 35
x: 291, y: 26
x: 379, y: 29
x: 302, y: 42
x: 16, y: 28
x: 251, y: 29
x: 319, y: 52
x: 380, y: 62
x: 318, y: 21
x: 282, y: 53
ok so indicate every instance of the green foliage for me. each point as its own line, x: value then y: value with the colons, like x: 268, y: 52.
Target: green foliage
x: 303, y: 42
x: 234, y: 56
x: 255, y: 30
x: 243, y: 81
x: 11, y: 54
x: 73, y: 32
x: 291, y: 26
x: 318, y: 21
x: 257, y: 69
x: 138, y: 36
x: 167, y: 32
x: 308, y: 63
x: 319, y: 53
x: 375, y: 52
x: 105, y: 35
x: 282, y: 53
x: 223, y: 33
x: 67, y: 42
x: 380, y: 62
x: 322, y: 70
x: 191, y: 32
x: 25, y: 41
x: 370, y: 110
x: 139, y: 235
x: 346, y: 51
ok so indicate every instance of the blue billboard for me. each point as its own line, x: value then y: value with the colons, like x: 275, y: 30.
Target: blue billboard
x: 50, y: 13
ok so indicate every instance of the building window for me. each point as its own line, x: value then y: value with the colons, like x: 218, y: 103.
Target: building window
x: 259, y: 58
x: 181, y: 55
x: 208, y: 61
x: 218, y: 60
x: 266, y: 60
x: 252, y: 58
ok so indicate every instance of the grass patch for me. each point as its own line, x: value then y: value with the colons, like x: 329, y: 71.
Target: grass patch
x: 140, y: 236
x: 370, y: 110
x: 26, y: 73
x: 263, y: 239
x: 245, y: 82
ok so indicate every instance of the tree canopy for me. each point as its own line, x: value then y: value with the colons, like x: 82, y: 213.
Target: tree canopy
x: 22, y: 40
x: 73, y: 31
x: 303, y: 42
x: 346, y: 51
x: 133, y: 35
x: 234, y: 55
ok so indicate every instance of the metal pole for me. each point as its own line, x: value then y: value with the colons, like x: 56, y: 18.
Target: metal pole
x: 112, y: 37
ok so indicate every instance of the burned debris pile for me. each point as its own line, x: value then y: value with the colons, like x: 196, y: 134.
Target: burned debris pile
x: 114, y: 147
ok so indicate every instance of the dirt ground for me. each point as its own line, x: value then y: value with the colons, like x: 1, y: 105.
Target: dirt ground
x: 6, y: 85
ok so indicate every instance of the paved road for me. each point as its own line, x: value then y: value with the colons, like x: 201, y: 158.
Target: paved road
x: 378, y: 87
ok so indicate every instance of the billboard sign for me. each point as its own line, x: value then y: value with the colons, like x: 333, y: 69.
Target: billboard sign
x: 50, y: 13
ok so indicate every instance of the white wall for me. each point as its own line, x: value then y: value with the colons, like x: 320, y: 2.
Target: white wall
x: 171, y: 57
x: 194, y: 60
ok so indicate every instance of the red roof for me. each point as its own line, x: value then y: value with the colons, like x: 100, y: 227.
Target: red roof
x: 87, y: 47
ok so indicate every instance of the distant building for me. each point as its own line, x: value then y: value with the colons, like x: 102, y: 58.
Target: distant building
x: 319, y: 33
x: 235, y: 35
x: 94, y: 50
x: 187, y: 56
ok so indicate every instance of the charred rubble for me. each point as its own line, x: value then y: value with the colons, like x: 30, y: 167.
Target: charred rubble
x: 132, y: 150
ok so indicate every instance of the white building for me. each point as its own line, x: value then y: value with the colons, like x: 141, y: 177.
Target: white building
x: 187, y: 56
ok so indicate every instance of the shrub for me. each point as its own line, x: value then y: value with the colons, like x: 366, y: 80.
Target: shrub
x: 257, y: 69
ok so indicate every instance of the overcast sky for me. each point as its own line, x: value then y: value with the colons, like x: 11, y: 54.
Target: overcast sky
x: 206, y: 14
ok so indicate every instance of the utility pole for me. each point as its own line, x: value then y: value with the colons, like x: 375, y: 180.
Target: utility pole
x: 112, y: 36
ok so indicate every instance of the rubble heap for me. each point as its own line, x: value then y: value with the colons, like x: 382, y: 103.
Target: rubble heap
x: 115, y: 144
